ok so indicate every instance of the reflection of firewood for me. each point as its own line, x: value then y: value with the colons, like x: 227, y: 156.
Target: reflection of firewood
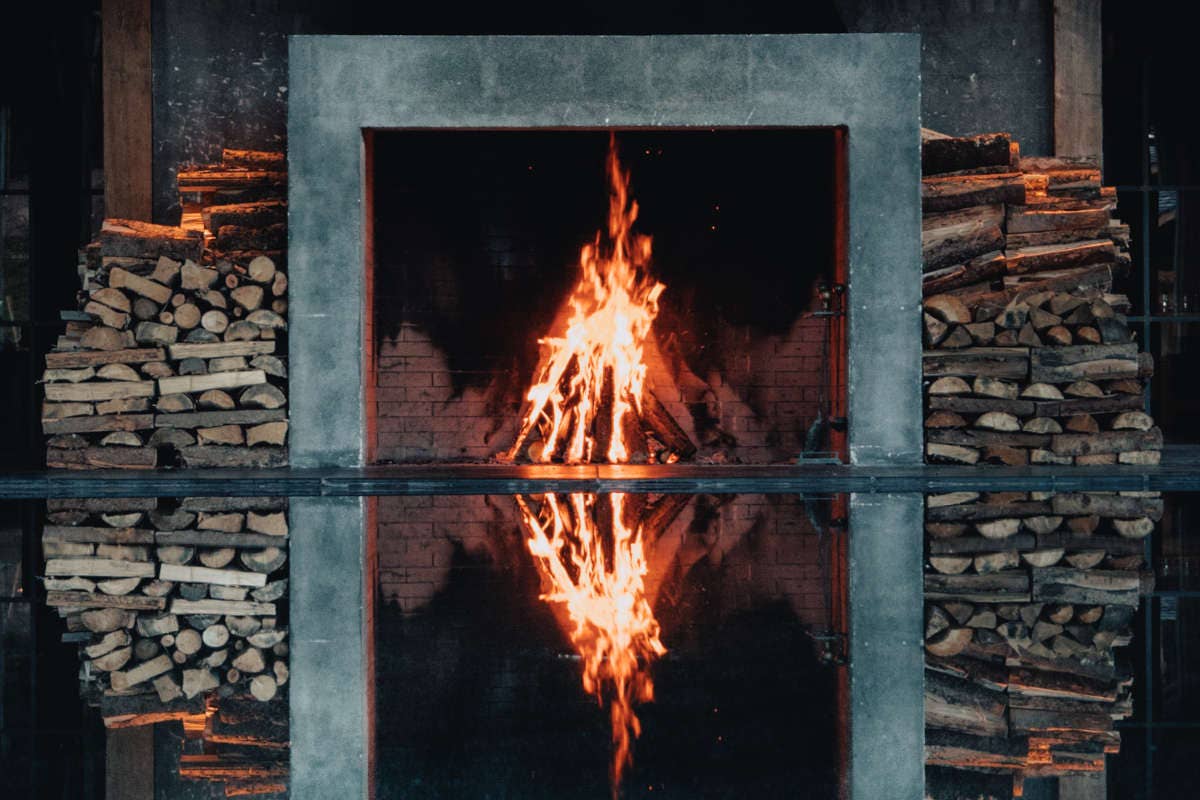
x: 659, y: 423
x: 658, y: 517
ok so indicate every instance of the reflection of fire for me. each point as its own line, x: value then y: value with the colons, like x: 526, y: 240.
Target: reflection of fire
x: 590, y: 383
x: 600, y: 580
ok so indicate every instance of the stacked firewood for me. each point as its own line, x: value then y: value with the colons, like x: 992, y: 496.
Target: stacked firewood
x: 1029, y: 356
x: 175, y: 359
x: 244, y: 749
x: 1029, y: 360
x: 179, y: 355
x: 172, y: 600
x: 1026, y: 597
x: 239, y: 204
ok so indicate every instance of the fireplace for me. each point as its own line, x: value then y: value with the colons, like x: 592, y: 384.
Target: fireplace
x: 477, y: 249
x: 429, y: 280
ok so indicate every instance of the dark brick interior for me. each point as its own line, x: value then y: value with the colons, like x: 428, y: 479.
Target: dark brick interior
x: 477, y: 237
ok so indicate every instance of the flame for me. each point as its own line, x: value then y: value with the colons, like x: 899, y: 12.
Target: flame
x: 598, y: 361
x: 603, y: 590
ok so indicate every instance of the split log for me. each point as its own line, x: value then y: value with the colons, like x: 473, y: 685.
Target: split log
x: 141, y: 673
x: 227, y: 456
x: 963, y: 191
x: 1107, y: 442
x: 223, y: 577
x: 212, y: 419
x: 200, y: 383
x: 102, y: 458
x: 245, y: 215
x: 659, y: 423
x: 980, y: 269
x: 958, y: 236
x: 992, y: 362
x: 953, y: 154
x: 152, y: 290
x: 99, y: 567
x: 1030, y: 219
x: 1000, y: 587
x: 228, y: 607
x: 93, y: 600
x: 96, y: 390
x: 1086, y: 587
x: 1059, y: 256
x: 949, y: 643
x: 193, y: 538
x: 129, y: 238
x: 959, y: 705
x: 98, y: 424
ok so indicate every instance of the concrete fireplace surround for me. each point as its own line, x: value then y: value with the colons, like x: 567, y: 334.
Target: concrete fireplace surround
x: 341, y: 87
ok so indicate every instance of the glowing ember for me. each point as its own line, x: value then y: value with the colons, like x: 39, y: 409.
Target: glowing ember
x: 599, y: 579
x: 592, y: 376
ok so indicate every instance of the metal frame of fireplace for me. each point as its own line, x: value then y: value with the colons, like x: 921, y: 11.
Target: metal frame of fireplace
x: 341, y: 88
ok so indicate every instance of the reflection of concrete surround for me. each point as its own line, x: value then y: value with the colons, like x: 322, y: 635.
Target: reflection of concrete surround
x: 341, y: 86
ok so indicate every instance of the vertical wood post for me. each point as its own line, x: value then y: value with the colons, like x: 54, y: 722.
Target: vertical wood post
x: 130, y: 763
x: 1078, y: 101
x: 128, y: 149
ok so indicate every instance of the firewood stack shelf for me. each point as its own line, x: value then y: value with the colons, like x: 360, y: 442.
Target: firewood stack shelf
x: 177, y: 357
x: 1029, y: 360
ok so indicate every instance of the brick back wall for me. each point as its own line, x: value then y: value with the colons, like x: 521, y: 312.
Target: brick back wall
x: 744, y: 553
x: 761, y: 407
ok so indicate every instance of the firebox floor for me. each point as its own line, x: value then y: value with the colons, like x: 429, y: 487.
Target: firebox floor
x: 1179, y: 471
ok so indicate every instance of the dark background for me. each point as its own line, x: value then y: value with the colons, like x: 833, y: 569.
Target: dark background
x: 478, y: 233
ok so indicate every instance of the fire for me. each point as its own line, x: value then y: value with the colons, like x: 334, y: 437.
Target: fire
x: 584, y: 404
x: 600, y: 581
x: 591, y: 378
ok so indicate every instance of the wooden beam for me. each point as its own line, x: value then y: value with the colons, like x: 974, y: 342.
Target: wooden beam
x: 1092, y: 786
x: 125, y: 32
x: 130, y: 756
x: 1078, y: 102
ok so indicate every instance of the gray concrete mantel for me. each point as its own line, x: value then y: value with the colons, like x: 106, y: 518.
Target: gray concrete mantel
x: 341, y: 86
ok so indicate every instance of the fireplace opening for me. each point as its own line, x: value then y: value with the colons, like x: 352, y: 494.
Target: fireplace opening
x: 734, y: 260
x: 482, y: 660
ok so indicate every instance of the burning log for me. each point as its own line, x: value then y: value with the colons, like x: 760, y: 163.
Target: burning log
x: 589, y: 400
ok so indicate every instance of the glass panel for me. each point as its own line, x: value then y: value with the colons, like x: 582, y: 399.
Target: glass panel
x: 484, y: 650
x: 1179, y: 659
x: 1176, y: 753
x: 1173, y: 389
x: 1127, y: 770
x: 15, y: 678
x: 1176, y: 547
x: 11, y: 550
x: 14, y: 267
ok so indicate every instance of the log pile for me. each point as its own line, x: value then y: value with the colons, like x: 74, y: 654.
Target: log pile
x: 240, y: 746
x: 179, y: 359
x: 176, y: 358
x: 240, y: 205
x: 1027, y: 597
x: 1029, y: 358
x: 168, y: 604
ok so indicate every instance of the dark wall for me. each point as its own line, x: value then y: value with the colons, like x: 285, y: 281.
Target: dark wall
x: 220, y: 80
x: 220, y: 67
x: 985, y: 66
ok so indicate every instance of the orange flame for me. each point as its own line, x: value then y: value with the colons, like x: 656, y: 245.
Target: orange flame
x: 599, y: 358
x: 603, y: 590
